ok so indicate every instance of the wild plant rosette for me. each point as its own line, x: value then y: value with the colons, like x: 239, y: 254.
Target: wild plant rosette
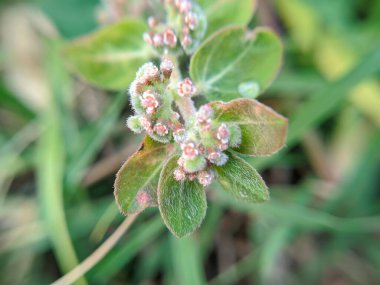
x: 186, y: 148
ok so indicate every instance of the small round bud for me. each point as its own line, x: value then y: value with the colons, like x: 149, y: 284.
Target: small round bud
x: 186, y: 88
x: 213, y: 156
x: 161, y: 129
x: 179, y: 174
x: 136, y: 88
x: 184, y: 6
x: 191, y: 20
x: 223, y: 134
x: 186, y: 41
x: 223, y: 146
x: 166, y: 68
x: 152, y: 22
x: 170, y: 39
x: 218, y: 158
x: 146, y: 124
x: 189, y: 150
x: 149, y: 101
x: 179, y: 135
x: 205, y: 178
x: 181, y: 161
x: 203, y: 117
x: 152, y: 73
x: 157, y: 40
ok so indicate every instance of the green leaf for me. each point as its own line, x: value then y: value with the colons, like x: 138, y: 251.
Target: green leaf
x: 137, y: 179
x: 235, y: 62
x: 182, y: 203
x: 221, y: 13
x: 109, y: 57
x: 242, y: 181
x: 263, y: 130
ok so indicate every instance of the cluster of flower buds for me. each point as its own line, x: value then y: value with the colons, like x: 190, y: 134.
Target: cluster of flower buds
x: 203, y: 145
x: 152, y: 104
x: 186, y: 24
x: 186, y: 88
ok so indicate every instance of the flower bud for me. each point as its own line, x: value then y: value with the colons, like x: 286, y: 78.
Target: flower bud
x: 179, y: 174
x: 205, y: 178
x: 191, y: 20
x: 146, y: 124
x: 157, y: 40
x: 218, y: 158
x: 152, y: 22
x: 179, y: 135
x: 186, y: 41
x: 161, y: 129
x: 186, y: 88
x: 189, y: 150
x: 170, y: 39
x: 223, y: 134
x: 149, y: 101
x: 166, y: 68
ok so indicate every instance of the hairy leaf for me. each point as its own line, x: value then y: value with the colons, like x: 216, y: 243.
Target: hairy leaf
x: 136, y: 182
x: 234, y: 60
x: 109, y: 57
x: 263, y: 130
x: 242, y: 181
x: 182, y: 203
x: 221, y: 13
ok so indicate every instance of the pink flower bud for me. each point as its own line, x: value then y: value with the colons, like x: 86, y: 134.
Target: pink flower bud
x: 152, y: 22
x: 189, y: 150
x: 191, y: 20
x: 149, y: 101
x: 205, y: 178
x: 223, y: 134
x: 186, y: 88
x: 152, y: 73
x: 203, y: 117
x: 157, y: 40
x: 181, y: 162
x: 179, y: 135
x: 146, y: 124
x: 179, y: 174
x: 184, y: 6
x: 213, y: 156
x: 186, y: 40
x: 223, y: 146
x: 170, y: 39
x: 166, y: 68
x: 161, y: 129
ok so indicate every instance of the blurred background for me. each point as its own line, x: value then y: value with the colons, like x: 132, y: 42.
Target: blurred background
x: 62, y: 141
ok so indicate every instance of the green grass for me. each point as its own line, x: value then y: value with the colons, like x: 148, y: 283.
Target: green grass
x: 316, y: 229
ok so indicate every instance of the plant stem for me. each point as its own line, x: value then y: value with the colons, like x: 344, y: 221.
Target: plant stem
x: 97, y: 255
x: 185, y: 105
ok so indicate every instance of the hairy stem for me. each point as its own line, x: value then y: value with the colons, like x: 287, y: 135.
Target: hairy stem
x: 185, y: 105
x: 97, y: 255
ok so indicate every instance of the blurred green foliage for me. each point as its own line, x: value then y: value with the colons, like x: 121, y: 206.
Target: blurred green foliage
x: 61, y: 142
